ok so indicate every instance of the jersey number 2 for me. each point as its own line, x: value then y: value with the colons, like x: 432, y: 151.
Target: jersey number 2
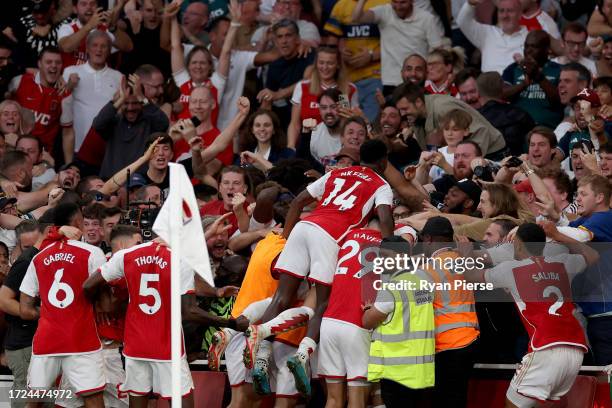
x: 344, y: 200
x: 553, y: 290
x: 145, y: 290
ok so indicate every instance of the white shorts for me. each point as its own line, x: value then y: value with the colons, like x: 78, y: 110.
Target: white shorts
x: 84, y: 372
x: 311, y: 252
x: 344, y: 350
x: 115, y: 375
x: 145, y: 376
x: 237, y: 373
x: 281, y: 379
x: 545, y: 375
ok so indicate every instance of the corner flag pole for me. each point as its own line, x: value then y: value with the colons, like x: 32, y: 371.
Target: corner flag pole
x: 174, y: 227
x: 179, y: 224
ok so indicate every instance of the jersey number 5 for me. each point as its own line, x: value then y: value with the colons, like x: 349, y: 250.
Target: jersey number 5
x: 145, y: 290
x: 344, y: 200
x: 57, y: 287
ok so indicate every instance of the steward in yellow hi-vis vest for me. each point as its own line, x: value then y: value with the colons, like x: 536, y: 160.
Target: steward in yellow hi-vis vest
x: 402, y: 351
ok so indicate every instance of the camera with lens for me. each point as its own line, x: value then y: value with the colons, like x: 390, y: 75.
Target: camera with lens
x: 142, y: 218
x: 484, y: 173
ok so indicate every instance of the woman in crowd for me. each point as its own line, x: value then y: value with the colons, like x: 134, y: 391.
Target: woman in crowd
x: 442, y: 65
x: 197, y: 69
x: 14, y: 121
x: 497, y: 202
x: 263, y: 142
x: 327, y: 72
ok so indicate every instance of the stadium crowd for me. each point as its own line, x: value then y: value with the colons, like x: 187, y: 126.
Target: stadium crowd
x: 318, y: 135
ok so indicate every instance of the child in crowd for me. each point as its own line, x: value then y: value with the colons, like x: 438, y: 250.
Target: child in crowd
x: 456, y: 128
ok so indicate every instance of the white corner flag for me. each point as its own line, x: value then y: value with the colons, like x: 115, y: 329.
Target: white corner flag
x: 178, y: 223
x: 186, y: 221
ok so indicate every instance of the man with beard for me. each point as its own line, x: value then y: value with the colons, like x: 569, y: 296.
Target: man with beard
x: 52, y: 108
x: 124, y: 123
x: 414, y: 69
x: 425, y: 112
x: 403, y: 150
x: 152, y: 81
x: 69, y: 176
x: 465, y: 153
x: 462, y: 198
x: 532, y: 83
x: 325, y: 137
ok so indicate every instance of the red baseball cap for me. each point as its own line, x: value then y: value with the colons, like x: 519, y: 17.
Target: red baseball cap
x: 588, y: 95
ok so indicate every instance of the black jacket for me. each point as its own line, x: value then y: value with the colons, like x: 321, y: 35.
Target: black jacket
x: 513, y: 122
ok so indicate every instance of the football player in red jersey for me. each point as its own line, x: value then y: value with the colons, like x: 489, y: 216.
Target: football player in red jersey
x: 66, y: 340
x: 146, y: 269
x: 348, y: 196
x: 542, y: 292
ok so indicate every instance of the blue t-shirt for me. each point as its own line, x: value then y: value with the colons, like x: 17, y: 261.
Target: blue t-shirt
x: 599, y: 224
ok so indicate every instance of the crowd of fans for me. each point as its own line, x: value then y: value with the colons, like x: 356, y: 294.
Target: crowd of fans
x: 494, y: 114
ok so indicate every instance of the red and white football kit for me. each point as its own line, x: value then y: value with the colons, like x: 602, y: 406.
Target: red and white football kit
x: 348, y: 197
x: 344, y: 347
x: 541, y: 290
x: 146, y: 269
x: 52, y: 109
x: 66, y: 340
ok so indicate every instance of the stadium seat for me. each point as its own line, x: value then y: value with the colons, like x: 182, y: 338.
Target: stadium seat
x: 581, y: 395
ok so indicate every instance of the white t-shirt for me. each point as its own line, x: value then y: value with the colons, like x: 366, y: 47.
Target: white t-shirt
x: 436, y: 172
x: 418, y: 34
x: 587, y: 62
x: 240, y: 63
x: 497, y: 48
x: 323, y: 143
x: 94, y: 90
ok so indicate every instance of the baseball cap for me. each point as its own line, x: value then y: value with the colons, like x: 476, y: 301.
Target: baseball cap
x: 524, y: 187
x: 470, y: 188
x: 137, y: 180
x: 439, y: 227
x: 4, y: 201
x: 40, y: 6
x: 350, y: 153
x: 588, y: 95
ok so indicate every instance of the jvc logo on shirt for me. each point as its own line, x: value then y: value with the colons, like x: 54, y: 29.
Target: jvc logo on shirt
x: 42, y: 118
x: 357, y: 31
